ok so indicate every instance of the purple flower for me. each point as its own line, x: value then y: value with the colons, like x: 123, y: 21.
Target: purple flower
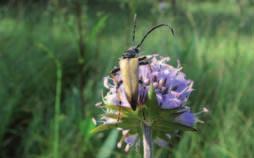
x: 131, y: 139
x: 171, y: 87
x: 171, y: 92
x: 186, y: 118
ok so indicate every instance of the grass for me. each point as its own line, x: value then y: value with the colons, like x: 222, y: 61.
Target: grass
x: 215, y: 51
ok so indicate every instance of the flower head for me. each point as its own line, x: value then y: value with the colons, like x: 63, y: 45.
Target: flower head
x: 171, y: 87
x: 163, y: 92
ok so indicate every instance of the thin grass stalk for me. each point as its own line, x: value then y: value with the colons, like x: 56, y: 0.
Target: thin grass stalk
x: 57, y: 107
x: 81, y: 59
x: 57, y: 99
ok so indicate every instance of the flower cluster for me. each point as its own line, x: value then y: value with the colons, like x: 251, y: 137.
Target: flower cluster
x: 171, y: 87
x: 162, y: 96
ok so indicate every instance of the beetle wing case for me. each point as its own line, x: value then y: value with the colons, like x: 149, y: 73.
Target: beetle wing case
x: 129, y: 73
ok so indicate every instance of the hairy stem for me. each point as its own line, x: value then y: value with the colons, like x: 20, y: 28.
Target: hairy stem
x: 147, y: 141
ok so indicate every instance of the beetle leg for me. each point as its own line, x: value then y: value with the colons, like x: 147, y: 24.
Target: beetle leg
x: 142, y: 58
x: 119, y: 114
x: 119, y: 84
x: 115, y: 70
x: 143, y: 62
x: 113, y: 74
x: 119, y: 107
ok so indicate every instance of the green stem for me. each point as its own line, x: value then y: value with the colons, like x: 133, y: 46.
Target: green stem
x: 57, y: 98
x: 57, y: 108
x: 81, y: 43
x: 147, y: 141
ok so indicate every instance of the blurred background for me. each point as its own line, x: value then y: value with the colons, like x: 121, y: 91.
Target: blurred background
x: 55, y: 53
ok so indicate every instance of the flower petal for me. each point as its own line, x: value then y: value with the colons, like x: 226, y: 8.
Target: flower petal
x: 131, y: 139
x: 186, y: 118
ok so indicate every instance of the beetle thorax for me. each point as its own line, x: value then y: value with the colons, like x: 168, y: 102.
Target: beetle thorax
x: 131, y: 53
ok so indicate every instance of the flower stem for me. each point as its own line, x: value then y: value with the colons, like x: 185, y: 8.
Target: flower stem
x: 147, y: 141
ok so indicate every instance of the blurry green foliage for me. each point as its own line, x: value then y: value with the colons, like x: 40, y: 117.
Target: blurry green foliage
x: 213, y: 43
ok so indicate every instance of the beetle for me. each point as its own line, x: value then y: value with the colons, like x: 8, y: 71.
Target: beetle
x: 129, y: 65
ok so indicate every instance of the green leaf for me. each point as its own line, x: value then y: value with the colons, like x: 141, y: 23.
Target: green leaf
x: 103, y: 127
x: 113, y: 115
x: 153, y: 110
x: 108, y: 146
x: 152, y: 99
x: 86, y: 126
x: 167, y: 126
x: 118, y: 108
x: 183, y: 127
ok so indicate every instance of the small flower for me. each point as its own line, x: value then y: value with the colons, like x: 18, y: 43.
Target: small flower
x: 162, y: 96
x: 186, y: 118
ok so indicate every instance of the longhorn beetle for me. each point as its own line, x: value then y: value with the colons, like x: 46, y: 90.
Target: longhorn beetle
x: 129, y: 65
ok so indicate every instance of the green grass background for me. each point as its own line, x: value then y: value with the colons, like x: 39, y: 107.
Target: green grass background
x: 39, y: 53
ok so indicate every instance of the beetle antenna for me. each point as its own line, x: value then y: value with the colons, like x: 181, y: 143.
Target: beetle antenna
x: 134, y: 28
x: 152, y: 29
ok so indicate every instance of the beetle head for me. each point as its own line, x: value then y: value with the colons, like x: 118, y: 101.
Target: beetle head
x: 131, y: 53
